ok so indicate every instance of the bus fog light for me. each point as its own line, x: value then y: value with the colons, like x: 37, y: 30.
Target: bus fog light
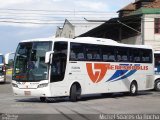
x: 14, y: 85
x: 42, y: 85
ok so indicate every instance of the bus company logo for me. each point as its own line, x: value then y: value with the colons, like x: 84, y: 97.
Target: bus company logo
x: 96, y: 72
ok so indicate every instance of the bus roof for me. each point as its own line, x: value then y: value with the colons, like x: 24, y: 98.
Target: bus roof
x: 90, y: 40
x: 38, y: 40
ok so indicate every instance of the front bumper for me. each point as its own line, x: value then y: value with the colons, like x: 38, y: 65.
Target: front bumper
x: 39, y: 92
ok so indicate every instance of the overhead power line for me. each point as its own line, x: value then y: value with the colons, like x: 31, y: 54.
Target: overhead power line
x: 34, y: 16
x: 55, y: 10
x: 61, y: 22
x: 58, y: 14
x: 46, y: 19
x: 7, y: 21
x: 27, y: 22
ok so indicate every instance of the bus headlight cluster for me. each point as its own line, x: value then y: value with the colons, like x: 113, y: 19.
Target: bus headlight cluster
x: 42, y: 85
x: 14, y: 85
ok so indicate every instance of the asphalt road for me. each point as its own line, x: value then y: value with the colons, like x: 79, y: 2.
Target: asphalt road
x: 91, y: 107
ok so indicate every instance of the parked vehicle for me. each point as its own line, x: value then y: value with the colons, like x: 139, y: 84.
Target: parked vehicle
x: 157, y: 70
x: 2, y: 69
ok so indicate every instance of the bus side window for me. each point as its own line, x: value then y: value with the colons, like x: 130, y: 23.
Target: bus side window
x: 122, y: 54
x: 137, y: 59
x: 89, y: 56
x: 80, y: 56
x: 111, y: 58
x: 124, y: 58
x: 147, y: 59
x: 108, y: 53
x: 143, y: 59
x: 96, y: 56
x: 136, y: 55
x: 73, y: 56
x: 76, y: 53
x: 118, y: 57
x: 93, y: 52
x: 146, y: 56
x: 105, y: 57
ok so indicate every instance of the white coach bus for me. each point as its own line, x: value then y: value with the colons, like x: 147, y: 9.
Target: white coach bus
x: 58, y: 67
x: 157, y: 70
x: 2, y: 69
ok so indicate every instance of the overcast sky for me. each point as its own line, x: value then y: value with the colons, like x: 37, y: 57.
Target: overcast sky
x: 27, y: 19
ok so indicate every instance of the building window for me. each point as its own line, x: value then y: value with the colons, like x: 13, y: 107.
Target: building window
x: 157, y: 25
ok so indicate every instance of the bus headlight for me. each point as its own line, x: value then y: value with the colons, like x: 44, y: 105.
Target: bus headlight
x: 14, y: 85
x: 42, y: 85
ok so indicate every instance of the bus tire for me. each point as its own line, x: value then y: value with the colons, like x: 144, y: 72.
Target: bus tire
x: 133, y: 88
x: 75, y: 92
x: 43, y: 99
x: 73, y: 95
x: 157, y: 85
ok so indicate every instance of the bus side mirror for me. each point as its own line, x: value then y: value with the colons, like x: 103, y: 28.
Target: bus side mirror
x: 6, y: 57
x: 47, y: 56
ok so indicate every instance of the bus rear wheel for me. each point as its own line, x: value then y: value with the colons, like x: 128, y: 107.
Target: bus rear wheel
x: 133, y: 88
x: 157, y: 85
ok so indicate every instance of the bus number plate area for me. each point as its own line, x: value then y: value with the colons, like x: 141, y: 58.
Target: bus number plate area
x: 27, y: 93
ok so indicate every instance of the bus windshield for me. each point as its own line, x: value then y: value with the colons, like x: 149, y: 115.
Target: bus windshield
x: 1, y: 59
x: 30, y: 63
x: 157, y: 63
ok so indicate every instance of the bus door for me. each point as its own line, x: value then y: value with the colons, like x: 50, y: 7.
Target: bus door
x: 58, y: 67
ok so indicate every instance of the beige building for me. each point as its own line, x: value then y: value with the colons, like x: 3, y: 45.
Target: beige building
x: 138, y: 23
x: 72, y: 30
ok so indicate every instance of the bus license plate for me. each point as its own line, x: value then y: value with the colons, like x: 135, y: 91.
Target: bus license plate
x: 27, y: 93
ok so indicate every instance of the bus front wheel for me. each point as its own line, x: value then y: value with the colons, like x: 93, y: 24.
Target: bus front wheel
x: 75, y: 92
x: 157, y: 85
x: 133, y: 88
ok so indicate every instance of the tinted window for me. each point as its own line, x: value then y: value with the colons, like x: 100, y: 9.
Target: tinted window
x: 93, y: 52
x: 108, y: 53
x: 77, y: 52
x: 105, y: 53
x: 59, y: 59
x: 122, y: 54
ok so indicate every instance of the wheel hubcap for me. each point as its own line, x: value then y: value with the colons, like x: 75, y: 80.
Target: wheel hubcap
x: 133, y: 88
x: 158, y: 85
